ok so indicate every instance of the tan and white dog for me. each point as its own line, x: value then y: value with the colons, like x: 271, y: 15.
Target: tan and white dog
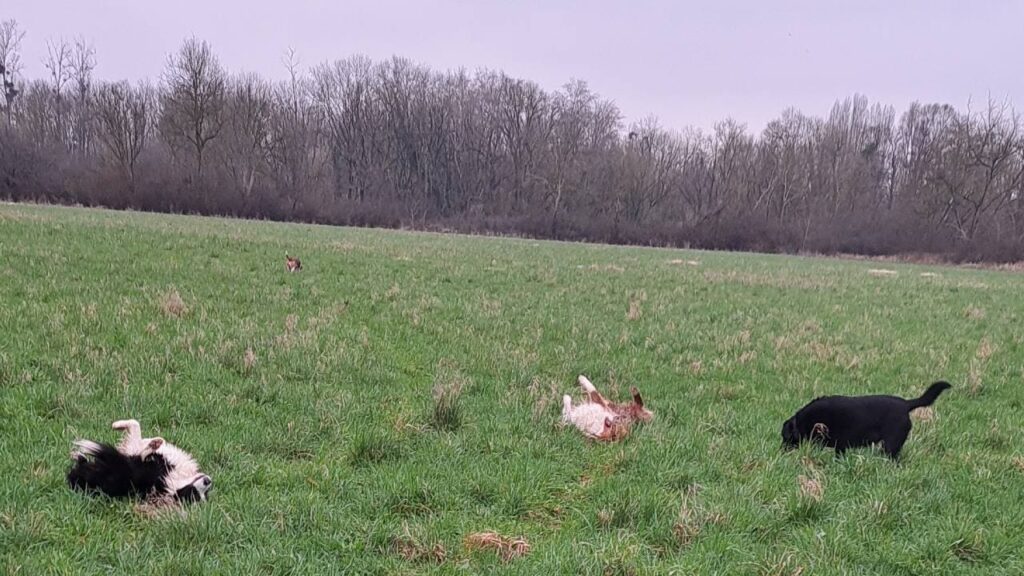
x: 601, y: 419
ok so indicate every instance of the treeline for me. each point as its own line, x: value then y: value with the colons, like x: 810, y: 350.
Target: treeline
x: 394, y: 143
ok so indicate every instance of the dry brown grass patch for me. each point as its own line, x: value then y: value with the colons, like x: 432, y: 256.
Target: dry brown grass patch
x: 542, y: 396
x: 507, y: 548
x: 449, y: 384
x: 882, y: 272
x: 635, y: 306
x: 923, y: 414
x: 812, y: 488
x: 1018, y: 462
x: 634, y: 310
x: 974, y: 313
x: 604, y: 268
x: 249, y: 359
x: 692, y: 520
x: 159, y: 507
x: 977, y: 366
x: 782, y: 565
x: 411, y: 549
x: 172, y: 304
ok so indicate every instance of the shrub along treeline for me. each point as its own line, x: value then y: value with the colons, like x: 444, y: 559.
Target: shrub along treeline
x: 394, y: 144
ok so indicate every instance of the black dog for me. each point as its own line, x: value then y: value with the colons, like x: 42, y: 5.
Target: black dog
x: 852, y: 421
x: 103, y: 468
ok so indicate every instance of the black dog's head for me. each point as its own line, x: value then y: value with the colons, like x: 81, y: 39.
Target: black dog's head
x: 790, y: 434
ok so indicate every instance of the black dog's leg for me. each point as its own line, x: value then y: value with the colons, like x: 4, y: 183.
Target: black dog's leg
x: 893, y: 443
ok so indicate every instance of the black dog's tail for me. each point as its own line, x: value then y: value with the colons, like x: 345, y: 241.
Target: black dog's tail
x: 929, y: 395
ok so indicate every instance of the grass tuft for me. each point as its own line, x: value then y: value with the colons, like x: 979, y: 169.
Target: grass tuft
x: 449, y: 385
x: 370, y: 448
x: 172, y: 304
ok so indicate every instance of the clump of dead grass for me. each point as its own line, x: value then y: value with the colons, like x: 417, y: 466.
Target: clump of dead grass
x: 882, y: 272
x: 976, y: 369
x: 172, y: 304
x: 603, y: 268
x: 923, y: 414
x: 692, y: 519
x: 449, y: 384
x: 1018, y: 463
x: 635, y: 306
x: 411, y: 549
x: 159, y: 507
x: 974, y: 313
x: 249, y: 359
x: 542, y: 396
x: 507, y: 548
x: 812, y: 488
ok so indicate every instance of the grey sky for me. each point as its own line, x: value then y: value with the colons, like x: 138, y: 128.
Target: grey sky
x: 687, y: 63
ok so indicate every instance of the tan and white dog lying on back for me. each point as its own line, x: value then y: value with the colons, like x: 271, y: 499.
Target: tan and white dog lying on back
x: 601, y: 419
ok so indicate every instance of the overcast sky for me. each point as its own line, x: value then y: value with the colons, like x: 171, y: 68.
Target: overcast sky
x: 688, y: 63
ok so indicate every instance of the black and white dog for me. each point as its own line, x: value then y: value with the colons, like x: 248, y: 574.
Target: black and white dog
x: 146, y: 468
x: 844, y: 422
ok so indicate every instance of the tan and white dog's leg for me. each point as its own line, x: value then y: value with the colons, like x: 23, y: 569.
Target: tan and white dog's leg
x: 592, y: 394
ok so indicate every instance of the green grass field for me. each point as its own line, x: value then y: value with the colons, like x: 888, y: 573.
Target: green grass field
x: 310, y: 400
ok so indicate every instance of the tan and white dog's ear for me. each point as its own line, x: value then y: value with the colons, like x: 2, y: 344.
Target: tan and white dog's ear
x: 636, y: 396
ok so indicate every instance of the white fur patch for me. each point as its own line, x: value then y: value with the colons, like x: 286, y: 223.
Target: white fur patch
x: 588, y: 417
x: 85, y: 448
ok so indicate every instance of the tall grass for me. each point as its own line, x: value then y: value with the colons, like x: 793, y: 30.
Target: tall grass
x: 394, y: 408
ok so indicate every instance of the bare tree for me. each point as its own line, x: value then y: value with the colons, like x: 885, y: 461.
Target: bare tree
x: 193, y: 107
x: 343, y: 93
x: 10, y: 62
x: 246, y: 130
x: 294, y: 149
x: 58, y: 63
x: 124, y: 114
x: 83, y: 62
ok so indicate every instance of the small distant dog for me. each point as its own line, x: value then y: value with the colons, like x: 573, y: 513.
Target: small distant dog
x: 292, y: 264
x: 600, y: 419
x: 843, y: 422
x: 149, y: 469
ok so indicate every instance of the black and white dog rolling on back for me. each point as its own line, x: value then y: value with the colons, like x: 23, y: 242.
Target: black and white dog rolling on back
x: 146, y: 468
x: 843, y: 422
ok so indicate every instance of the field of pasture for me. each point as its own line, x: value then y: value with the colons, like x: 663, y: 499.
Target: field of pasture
x: 403, y: 393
